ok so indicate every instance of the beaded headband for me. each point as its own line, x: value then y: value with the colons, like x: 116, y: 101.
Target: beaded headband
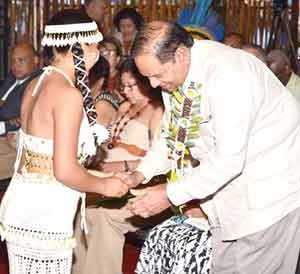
x: 64, y: 35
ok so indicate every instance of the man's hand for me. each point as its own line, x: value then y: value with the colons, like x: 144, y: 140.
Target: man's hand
x: 131, y: 180
x: 149, y: 201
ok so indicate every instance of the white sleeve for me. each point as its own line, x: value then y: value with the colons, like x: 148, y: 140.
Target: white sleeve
x: 156, y: 161
x: 2, y: 128
x: 233, y: 111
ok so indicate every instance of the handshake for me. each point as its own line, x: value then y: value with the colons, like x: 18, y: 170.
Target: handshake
x: 147, y: 201
x: 118, y: 184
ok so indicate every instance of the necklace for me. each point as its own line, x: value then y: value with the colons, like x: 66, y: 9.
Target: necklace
x: 183, y: 126
x: 62, y: 73
x: 121, y: 123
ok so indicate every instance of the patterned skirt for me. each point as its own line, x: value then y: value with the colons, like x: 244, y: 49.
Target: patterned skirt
x: 176, y: 247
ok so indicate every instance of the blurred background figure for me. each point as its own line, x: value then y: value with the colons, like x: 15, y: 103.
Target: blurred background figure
x: 127, y: 22
x: 95, y: 9
x: 107, y: 103
x: 280, y: 64
x: 257, y: 51
x: 24, y: 67
x: 202, y: 21
x: 111, y: 50
x: 234, y: 39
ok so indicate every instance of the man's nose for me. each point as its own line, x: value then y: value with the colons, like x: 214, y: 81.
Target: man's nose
x: 154, y: 82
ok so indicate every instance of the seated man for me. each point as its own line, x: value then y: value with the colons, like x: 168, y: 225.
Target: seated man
x: 24, y: 67
x: 280, y: 64
x: 233, y: 39
x: 95, y: 9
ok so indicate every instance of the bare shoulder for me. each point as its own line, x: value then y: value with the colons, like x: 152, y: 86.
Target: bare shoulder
x: 124, y: 106
x: 62, y: 92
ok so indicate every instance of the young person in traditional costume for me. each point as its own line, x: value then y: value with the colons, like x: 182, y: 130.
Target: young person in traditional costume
x: 59, y: 135
x: 226, y: 109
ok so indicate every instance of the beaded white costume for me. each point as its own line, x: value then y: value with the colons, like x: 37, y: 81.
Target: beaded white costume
x: 37, y: 211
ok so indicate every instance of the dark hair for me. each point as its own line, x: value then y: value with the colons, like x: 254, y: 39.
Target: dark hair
x: 88, y: 2
x: 81, y: 76
x: 114, y: 41
x: 128, y: 65
x: 100, y: 70
x: 68, y: 16
x: 235, y: 34
x: 128, y: 13
x: 161, y: 39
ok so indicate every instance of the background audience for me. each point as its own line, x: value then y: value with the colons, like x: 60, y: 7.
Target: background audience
x: 280, y: 64
x: 127, y: 22
x: 111, y: 49
x: 24, y: 67
x: 95, y: 9
x: 234, y: 39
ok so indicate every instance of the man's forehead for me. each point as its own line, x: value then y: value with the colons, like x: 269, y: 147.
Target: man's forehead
x: 22, y: 50
x: 148, y: 64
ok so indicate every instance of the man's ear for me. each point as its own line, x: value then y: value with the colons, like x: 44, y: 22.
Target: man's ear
x: 36, y: 60
x: 287, y: 69
x: 181, y: 54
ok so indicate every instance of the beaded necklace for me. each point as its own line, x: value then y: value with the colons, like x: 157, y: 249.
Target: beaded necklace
x: 182, y: 127
x: 118, y: 130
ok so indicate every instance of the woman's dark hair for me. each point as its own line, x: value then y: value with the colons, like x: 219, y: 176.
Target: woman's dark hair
x: 128, y: 65
x: 162, y: 39
x: 128, y: 13
x: 68, y: 16
x: 100, y: 70
x: 114, y: 41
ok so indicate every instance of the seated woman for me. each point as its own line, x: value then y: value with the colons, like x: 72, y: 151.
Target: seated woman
x: 136, y: 123
x: 181, y: 244
x: 111, y: 49
x: 131, y: 136
x: 127, y: 22
x: 107, y: 103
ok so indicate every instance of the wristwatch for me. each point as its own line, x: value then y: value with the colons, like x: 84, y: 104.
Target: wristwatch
x: 126, y: 166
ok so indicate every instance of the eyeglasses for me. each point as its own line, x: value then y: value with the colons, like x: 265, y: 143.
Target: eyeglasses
x: 107, y: 53
x: 130, y: 87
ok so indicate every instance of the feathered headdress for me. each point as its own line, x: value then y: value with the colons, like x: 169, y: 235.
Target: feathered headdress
x: 202, y: 22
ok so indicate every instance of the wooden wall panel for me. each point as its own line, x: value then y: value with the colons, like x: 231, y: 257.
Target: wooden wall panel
x: 252, y: 18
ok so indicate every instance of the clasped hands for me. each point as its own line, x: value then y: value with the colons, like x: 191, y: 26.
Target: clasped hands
x: 147, y: 201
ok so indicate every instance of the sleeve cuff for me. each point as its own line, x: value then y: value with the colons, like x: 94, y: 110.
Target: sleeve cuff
x: 146, y: 171
x: 2, y: 128
x: 177, y: 194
